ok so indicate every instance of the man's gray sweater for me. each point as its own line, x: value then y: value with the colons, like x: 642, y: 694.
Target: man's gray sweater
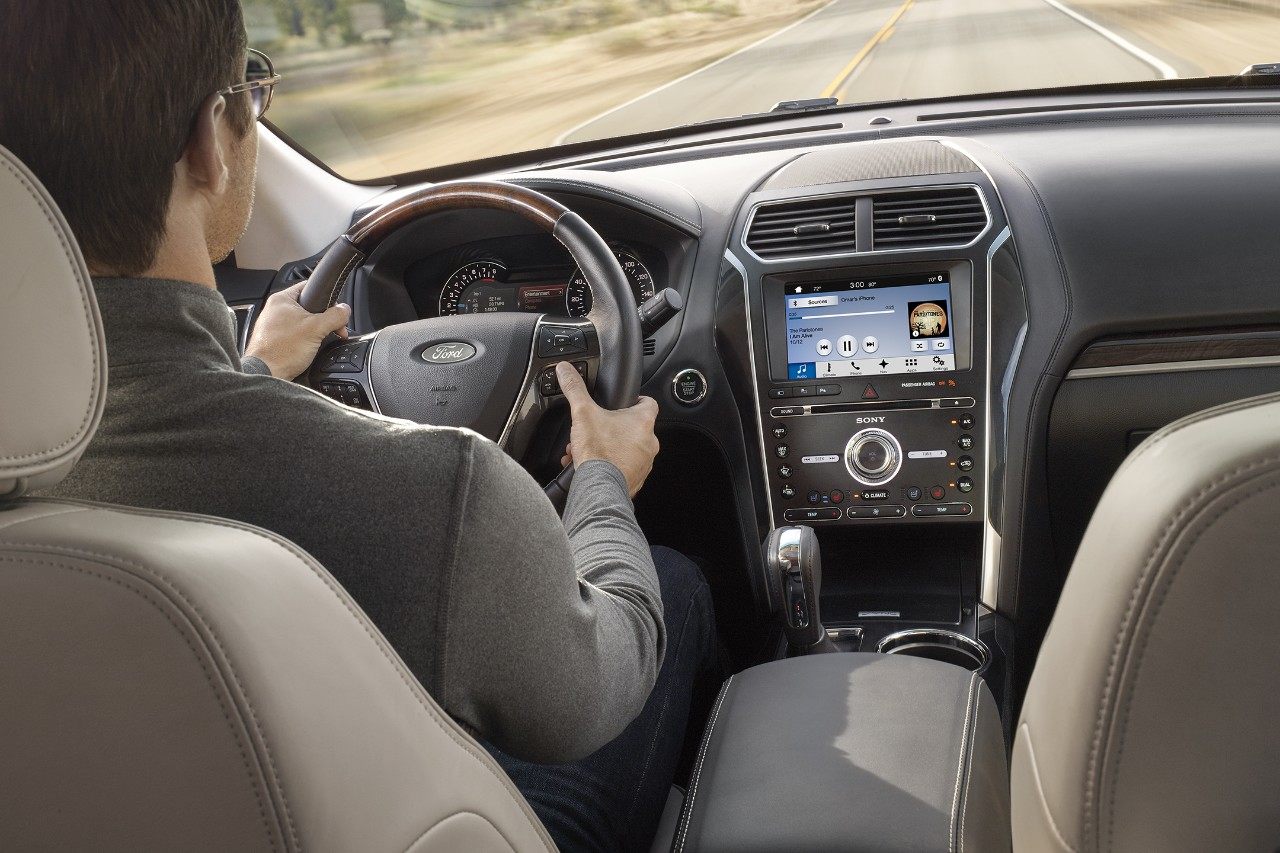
x: 542, y: 635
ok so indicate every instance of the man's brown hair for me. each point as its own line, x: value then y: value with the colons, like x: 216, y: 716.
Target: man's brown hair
x: 99, y: 98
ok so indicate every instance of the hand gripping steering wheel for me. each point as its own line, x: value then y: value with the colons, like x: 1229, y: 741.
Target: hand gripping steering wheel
x: 491, y: 372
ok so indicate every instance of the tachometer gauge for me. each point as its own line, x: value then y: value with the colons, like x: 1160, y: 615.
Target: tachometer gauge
x: 479, y: 287
x: 578, y: 296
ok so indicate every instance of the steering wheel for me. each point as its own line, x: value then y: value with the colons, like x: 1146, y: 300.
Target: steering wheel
x: 494, y: 373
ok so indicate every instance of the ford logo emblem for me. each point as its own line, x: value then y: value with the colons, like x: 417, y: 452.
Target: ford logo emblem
x: 451, y: 352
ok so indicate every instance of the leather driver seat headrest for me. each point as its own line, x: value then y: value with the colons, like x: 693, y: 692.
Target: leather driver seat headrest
x: 54, y: 381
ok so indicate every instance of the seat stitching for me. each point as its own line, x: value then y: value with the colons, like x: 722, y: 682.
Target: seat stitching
x: 1166, y: 432
x: 415, y: 690
x: 185, y: 636
x: 687, y: 819
x: 964, y: 745
x: 1044, y: 803
x: 1107, y: 699
x: 84, y: 303
x: 968, y: 772
x: 1157, y: 597
x: 216, y: 641
x: 450, y: 816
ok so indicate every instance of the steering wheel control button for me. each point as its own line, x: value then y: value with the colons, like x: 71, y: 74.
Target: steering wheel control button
x: 965, y: 485
x: 344, y: 358
x: 936, y: 510
x: 914, y: 493
x: 875, y: 494
x: 937, y: 492
x: 965, y: 442
x: 549, y: 385
x: 345, y: 392
x: 967, y: 421
x: 886, y: 511
x: 787, y: 491
x: 781, y: 451
x: 812, y: 514
x: 689, y: 387
x: 560, y: 341
x: 965, y: 463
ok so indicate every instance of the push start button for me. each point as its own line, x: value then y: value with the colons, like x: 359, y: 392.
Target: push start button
x: 689, y: 387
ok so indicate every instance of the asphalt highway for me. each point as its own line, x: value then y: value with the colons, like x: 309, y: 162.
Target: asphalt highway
x: 875, y: 50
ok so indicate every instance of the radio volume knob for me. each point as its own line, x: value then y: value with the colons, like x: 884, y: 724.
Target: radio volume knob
x: 873, y: 456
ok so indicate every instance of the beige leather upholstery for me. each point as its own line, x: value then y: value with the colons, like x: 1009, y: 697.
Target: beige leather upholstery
x: 1150, y: 723
x: 173, y: 682
x: 54, y: 384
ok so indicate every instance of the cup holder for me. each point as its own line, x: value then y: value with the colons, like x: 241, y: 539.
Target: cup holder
x: 937, y: 644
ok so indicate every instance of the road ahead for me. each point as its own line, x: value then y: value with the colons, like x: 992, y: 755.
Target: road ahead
x: 871, y: 50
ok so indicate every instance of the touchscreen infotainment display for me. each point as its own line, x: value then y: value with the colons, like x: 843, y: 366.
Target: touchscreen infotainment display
x: 870, y: 326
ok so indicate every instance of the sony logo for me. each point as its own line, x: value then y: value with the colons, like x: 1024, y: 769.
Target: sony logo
x: 879, y: 420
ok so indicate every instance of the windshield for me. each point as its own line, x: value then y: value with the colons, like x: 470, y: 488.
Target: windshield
x: 393, y: 86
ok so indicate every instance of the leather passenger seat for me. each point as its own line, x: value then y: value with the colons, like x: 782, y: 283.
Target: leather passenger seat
x: 176, y: 682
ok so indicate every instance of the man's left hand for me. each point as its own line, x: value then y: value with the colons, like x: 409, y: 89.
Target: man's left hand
x: 288, y: 336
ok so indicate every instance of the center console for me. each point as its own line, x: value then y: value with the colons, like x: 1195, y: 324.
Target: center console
x: 871, y: 275
x: 872, y: 401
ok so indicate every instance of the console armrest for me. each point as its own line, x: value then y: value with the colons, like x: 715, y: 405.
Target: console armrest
x: 851, y: 752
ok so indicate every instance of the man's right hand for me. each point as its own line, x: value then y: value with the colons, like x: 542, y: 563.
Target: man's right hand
x: 624, y: 437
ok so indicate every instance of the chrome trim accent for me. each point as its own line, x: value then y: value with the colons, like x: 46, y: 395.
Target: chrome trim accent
x: 1174, y: 367
x: 367, y: 373
x: 900, y: 641
x: 989, y: 591
x: 892, y: 462
x: 755, y: 380
x: 872, y: 254
x: 706, y: 386
x: 249, y: 310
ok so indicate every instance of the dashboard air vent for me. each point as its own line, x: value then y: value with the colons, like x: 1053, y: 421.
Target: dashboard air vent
x: 941, y: 217
x: 650, y: 346
x: 811, y: 227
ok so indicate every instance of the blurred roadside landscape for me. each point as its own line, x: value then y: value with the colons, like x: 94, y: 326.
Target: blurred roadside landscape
x: 383, y: 87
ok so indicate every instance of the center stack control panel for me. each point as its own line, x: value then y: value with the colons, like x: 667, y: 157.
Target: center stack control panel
x: 871, y: 385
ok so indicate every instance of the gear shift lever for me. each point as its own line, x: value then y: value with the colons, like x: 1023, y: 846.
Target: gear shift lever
x: 792, y: 555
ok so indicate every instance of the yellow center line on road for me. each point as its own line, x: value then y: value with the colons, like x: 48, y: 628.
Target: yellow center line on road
x: 881, y: 35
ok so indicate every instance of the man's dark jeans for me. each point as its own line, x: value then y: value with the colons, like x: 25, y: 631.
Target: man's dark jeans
x: 613, y: 799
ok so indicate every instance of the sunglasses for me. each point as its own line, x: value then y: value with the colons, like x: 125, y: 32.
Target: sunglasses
x: 260, y: 78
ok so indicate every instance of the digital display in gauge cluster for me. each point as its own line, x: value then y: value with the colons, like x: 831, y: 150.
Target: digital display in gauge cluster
x: 483, y: 287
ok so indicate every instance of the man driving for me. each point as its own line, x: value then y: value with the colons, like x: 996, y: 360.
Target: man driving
x: 567, y: 645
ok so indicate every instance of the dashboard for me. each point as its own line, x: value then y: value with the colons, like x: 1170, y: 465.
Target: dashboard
x: 932, y: 336
x: 530, y: 273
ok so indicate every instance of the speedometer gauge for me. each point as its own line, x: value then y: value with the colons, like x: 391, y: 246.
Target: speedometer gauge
x: 479, y: 287
x: 578, y: 296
